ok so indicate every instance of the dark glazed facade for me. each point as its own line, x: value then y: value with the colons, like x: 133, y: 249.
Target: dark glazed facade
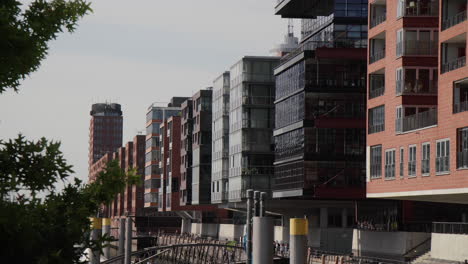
x: 320, y: 104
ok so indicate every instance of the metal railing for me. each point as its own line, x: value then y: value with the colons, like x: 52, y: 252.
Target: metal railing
x: 377, y: 85
x: 417, y: 8
x: 454, y: 64
x: 376, y: 128
x: 389, y: 171
x: 417, y: 47
x: 416, y: 87
x: 376, y: 56
x: 411, y: 168
x: 454, y: 20
x: 462, y: 159
x: 450, y: 228
x: 442, y: 164
x: 377, y: 20
x: 416, y: 121
x: 258, y: 100
x: 460, y: 106
x: 425, y: 166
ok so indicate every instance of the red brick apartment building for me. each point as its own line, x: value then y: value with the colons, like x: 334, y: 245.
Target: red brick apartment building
x: 417, y: 142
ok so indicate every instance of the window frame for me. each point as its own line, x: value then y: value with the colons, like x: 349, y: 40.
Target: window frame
x: 390, y: 161
x: 412, y: 157
x: 375, y: 171
x: 426, y: 152
x: 446, y: 149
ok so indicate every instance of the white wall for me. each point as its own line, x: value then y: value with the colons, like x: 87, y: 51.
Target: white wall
x: 230, y: 232
x: 369, y: 243
x: 449, y: 247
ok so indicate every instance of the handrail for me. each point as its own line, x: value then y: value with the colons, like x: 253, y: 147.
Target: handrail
x: 418, y: 245
x: 152, y: 257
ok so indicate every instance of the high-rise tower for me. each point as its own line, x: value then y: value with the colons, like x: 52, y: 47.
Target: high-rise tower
x: 105, y: 131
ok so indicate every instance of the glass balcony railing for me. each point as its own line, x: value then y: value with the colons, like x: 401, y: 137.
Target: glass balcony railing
x: 454, y: 64
x: 416, y: 121
x: 417, y: 87
x: 417, y: 47
x: 376, y: 56
x: 461, y: 106
x: 462, y: 159
x: 454, y: 20
x: 377, y: 85
x: 377, y: 20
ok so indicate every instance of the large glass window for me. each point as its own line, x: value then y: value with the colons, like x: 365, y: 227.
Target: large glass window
x: 412, y: 161
x: 376, y: 161
x: 462, y: 148
x: 425, y: 158
x: 402, y: 162
x: 291, y: 80
x: 460, y: 96
x: 289, y: 111
x: 376, y: 119
x: 443, y: 156
x: 390, y: 164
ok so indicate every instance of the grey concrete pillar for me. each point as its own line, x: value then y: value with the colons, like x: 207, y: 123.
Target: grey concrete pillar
x: 96, y: 230
x: 464, y: 217
x: 298, y: 240
x: 344, y: 218
x: 323, y: 217
x: 248, y: 227
x: 121, y: 236
x: 128, y: 241
x: 186, y: 225
x: 106, y: 230
x: 262, y: 240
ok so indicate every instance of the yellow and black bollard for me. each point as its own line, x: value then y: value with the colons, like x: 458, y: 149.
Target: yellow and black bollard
x: 96, y: 229
x: 298, y: 229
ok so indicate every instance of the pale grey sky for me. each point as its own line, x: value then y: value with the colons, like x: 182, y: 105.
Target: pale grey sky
x: 134, y: 53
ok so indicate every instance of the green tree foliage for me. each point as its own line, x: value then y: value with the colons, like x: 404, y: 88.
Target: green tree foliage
x: 46, y: 225
x: 25, y: 34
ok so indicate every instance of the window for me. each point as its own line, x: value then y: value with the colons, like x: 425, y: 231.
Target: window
x: 376, y: 161
x: 377, y: 119
x: 412, y: 161
x: 402, y: 164
x: 390, y: 164
x: 443, y: 156
x: 426, y: 158
x: 462, y: 148
x: 460, y: 96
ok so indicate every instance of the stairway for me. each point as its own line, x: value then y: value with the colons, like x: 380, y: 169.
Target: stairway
x: 422, y: 259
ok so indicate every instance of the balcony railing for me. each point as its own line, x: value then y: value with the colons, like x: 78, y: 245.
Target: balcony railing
x: 258, y: 100
x: 462, y: 159
x: 313, y: 45
x: 389, y: 171
x: 377, y: 55
x: 460, y: 106
x: 417, y: 47
x: 450, y: 228
x: 416, y: 8
x: 454, y: 20
x: 377, y: 85
x: 443, y: 164
x: 376, y: 128
x: 416, y: 121
x: 411, y: 168
x: 454, y: 64
x: 418, y: 87
x: 425, y: 166
x: 377, y: 20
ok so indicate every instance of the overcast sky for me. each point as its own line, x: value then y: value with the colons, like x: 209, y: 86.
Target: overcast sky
x: 134, y: 53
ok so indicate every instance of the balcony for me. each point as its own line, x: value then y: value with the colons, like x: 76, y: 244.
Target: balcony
x: 460, y: 96
x: 378, y: 13
x: 417, y: 8
x: 416, y: 87
x: 454, y: 13
x: 454, y: 53
x: 376, y: 85
x: 417, y: 48
x: 377, y: 48
x: 419, y: 120
x: 303, y: 8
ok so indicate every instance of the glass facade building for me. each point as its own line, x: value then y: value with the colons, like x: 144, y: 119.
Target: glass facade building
x: 251, y: 121
x: 320, y: 107
x: 220, y: 135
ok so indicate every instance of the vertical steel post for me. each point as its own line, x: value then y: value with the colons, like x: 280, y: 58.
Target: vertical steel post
x: 96, y: 229
x: 248, y: 229
x: 128, y: 241
x: 262, y: 240
x: 256, y: 203
x: 106, y: 230
x: 298, y: 240
x: 122, y: 236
